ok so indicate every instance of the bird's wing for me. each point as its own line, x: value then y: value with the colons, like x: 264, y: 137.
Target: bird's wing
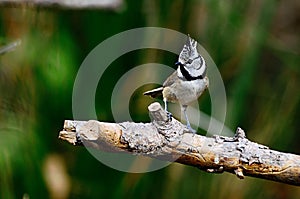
x: 171, y: 79
x: 158, y: 91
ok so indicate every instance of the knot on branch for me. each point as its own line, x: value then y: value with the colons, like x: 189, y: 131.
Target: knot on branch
x: 171, y: 130
x: 239, y: 136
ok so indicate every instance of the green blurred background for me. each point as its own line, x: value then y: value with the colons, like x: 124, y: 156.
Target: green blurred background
x: 255, y: 44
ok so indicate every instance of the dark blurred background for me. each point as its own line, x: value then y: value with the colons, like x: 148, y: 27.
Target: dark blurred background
x: 255, y: 44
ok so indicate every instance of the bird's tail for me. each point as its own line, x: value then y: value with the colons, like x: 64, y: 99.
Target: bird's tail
x: 155, y: 92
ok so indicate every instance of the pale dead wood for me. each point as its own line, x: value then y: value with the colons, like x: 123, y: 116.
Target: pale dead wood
x: 169, y: 140
x: 66, y: 4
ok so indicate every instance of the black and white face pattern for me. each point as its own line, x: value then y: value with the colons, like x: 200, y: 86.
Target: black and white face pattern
x: 191, y: 65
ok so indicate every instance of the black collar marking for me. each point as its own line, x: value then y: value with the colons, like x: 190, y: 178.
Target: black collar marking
x: 187, y: 75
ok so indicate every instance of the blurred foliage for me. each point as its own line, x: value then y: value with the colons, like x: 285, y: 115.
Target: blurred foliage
x: 255, y: 44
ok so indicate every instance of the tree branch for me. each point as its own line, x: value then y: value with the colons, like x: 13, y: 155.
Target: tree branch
x: 74, y: 4
x: 171, y: 141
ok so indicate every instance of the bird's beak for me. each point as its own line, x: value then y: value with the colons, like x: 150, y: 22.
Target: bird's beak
x: 178, y: 63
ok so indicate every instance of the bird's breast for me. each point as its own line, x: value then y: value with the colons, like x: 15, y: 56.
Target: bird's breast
x: 185, y: 92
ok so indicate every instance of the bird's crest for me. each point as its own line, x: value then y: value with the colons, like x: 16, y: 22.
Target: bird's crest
x: 189, y: 50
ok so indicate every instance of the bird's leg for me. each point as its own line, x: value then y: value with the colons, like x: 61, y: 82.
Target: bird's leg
x: 188, y: 125
x: 169, y: 114
x: 78, y: 140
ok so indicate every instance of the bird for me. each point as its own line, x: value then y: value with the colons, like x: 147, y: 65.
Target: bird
x: 186, y: 84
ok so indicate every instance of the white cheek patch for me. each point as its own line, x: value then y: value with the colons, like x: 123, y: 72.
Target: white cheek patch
x: 198, y: 62
x: 199, y: 70
x: 202, y: 68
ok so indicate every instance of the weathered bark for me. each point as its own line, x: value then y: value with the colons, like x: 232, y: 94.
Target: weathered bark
x: 171, y: 141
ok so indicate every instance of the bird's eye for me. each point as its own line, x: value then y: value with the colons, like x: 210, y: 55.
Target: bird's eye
x: 189, y: 61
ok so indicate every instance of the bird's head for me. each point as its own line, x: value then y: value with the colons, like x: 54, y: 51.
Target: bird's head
x: 191, y: 65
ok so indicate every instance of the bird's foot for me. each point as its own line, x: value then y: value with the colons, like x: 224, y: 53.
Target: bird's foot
x: 191, y: 129
x: 78, y: 140
x: 169, y: 115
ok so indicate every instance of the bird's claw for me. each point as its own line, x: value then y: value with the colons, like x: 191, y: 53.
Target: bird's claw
x: 78, y: 140
x: 191, y: 129
x: 169, y: 115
